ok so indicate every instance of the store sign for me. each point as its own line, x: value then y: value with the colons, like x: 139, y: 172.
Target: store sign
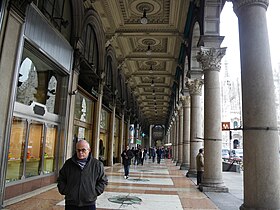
x: 225, y: 126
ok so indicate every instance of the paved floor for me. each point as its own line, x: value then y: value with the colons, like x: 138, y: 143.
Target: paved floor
x: 152, y: 186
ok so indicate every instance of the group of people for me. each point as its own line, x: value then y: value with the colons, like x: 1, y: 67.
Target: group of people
x: 82, y: 177
x: 138, y: 155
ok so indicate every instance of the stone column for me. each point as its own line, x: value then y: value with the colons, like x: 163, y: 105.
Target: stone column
x: 186, y: 133
x: 112, y: 136
x: 260, y: 135
x: 174, y: 139
x: 177, y: 137
x: 180, y: 137
x: 196, y: 142
x: 97, y: 120
x: 122, y: 134
x: 150, y: 137
x: 210, y: 59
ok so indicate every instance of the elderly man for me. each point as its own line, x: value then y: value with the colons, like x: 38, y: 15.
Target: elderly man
x: 81, y: 179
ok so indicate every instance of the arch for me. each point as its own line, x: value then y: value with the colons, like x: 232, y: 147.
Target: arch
x: 111, y: 57
x: 92, y: 18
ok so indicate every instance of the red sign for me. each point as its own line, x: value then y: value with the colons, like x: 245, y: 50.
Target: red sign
x: 225, y: 125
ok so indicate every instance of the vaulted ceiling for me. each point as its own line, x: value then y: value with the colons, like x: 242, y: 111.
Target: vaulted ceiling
x: 151, y: 76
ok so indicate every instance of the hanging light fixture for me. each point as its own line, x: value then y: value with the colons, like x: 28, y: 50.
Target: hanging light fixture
x: 152, y: 84
x: 149, y: 51
x: 151, y: 69
x: 154, y: 92
x: 144, y: 19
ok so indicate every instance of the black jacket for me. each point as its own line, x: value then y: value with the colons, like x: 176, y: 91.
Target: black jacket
x: 126, y: 155
x: 81, y: 187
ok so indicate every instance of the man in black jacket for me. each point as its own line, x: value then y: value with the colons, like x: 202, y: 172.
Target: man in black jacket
x: 81, y: 179
x: 126, y: 155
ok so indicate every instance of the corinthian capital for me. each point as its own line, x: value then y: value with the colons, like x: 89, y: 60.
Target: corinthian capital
x: 210, y: 58
x: 238, y: 4
x: 195, y: 86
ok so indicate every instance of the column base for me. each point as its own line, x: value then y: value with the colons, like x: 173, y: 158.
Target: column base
x: 191, y: 173
x: 212, y: 187
x: 184, y: 166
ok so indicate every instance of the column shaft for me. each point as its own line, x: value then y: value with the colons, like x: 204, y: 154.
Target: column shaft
x: 196, y: 141
x: 261, y: 140
x: 186, y: 134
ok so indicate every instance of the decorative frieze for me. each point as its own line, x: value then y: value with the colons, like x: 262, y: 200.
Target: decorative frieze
x: 210, y: 58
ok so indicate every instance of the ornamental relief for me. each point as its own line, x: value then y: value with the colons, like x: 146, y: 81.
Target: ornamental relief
x: 195, y: 86
x: 237, y: 4
x: 210, y: 58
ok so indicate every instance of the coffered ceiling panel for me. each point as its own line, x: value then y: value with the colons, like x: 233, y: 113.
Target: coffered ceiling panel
x: 147, y: 53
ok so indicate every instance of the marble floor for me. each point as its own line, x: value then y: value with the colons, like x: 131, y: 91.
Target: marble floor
x: 149, y: 187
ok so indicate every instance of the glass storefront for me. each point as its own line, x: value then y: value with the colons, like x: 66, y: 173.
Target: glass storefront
x: 38, y: 110
x: 104, y: 135
x: 83, y: 119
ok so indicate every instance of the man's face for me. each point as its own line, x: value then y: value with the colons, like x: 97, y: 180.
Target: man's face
x: 82, y: 150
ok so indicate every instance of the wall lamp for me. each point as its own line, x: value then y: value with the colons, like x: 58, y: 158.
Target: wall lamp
x: 144, y: 19
x: 74, y: 92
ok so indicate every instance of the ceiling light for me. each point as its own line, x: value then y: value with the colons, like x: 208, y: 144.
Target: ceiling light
x: 153, y: 84
x: 144, y: 19
x: 151, y: 69
x: 149, y: 51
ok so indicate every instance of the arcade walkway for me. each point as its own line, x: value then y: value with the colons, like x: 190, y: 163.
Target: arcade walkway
x: 152, y: 186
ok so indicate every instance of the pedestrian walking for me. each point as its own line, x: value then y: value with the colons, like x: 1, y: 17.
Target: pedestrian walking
x: 126, y: 155
x: 81, y: 179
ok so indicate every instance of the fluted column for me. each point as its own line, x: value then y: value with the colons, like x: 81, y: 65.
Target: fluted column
x: 186, y: 133
x: 260, y: 136
x: 210, y: 59
x: 177, y: 137
x: 180, y: 137
x: 196, y: 142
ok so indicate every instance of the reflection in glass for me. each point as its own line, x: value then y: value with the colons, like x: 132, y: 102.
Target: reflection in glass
x: 27, y: 83
x: 51, y: 94
x: 83, y: 108
x: 49, y: 154
x: 16, y: 150
x: 33, y: 156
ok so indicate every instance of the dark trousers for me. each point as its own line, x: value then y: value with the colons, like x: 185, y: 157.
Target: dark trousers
x: 126, y: 170
x: 70, y: 207
x: 199, y: 177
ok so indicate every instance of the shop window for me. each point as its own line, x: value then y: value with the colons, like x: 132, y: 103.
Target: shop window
x: 16, y: 150
x: 34, y: 149
x: 38, y: 82
x: 83, y: 119
x: 31, y: 150
x: 50, y: 146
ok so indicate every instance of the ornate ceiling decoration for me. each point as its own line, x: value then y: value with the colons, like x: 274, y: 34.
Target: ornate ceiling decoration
x: 151, y: 75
